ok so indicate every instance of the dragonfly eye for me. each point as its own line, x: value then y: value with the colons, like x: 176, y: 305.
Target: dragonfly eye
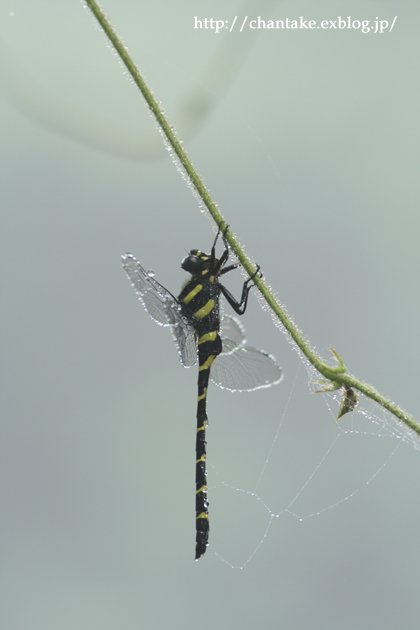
x: 192, y: 264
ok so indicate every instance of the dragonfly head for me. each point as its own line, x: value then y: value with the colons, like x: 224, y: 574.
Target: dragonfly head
x: 196, y: 262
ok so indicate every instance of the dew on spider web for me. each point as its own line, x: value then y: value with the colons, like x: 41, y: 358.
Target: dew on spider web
x: 303, y: 476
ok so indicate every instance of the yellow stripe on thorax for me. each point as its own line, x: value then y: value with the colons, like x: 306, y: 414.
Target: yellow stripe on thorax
x: 207, y: 308
x: 191, y: 295
x: 208, y: 337
x: 207, y: 363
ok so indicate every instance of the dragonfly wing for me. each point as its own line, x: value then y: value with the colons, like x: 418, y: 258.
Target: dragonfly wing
x: 154, y: 297
x: 245, y: 369
x: 163, y: 308
x: 184, y: 335
x: 232, y: 334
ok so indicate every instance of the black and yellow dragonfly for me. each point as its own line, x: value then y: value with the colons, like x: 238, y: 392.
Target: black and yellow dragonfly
x: 199, y: 330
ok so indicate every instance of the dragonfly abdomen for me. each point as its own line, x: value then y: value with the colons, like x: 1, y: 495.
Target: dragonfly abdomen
x: 209, y: 347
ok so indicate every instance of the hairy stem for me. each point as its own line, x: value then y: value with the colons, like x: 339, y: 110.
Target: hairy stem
x: 336, y: 375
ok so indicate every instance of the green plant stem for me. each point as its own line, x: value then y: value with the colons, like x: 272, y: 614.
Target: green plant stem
x: 336, y: 375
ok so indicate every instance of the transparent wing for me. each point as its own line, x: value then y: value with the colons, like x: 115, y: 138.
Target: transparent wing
x: 163, y: 308
x: 232, y: 334
x: 245, y: 369
x: 184, y: 335
x: 241, y: 367
x: 161, y: 305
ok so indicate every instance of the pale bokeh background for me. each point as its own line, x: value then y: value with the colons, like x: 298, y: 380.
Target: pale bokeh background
x: 310, y: 147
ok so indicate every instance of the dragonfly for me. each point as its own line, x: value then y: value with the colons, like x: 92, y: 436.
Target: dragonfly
x: 203, y: 334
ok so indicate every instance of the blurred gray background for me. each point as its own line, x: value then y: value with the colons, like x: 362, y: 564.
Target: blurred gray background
x: 308, y: 141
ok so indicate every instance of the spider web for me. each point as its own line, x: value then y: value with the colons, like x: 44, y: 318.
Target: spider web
x: 317, y: 488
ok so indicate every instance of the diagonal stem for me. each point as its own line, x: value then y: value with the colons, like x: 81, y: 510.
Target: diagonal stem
x: 336, y: 375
